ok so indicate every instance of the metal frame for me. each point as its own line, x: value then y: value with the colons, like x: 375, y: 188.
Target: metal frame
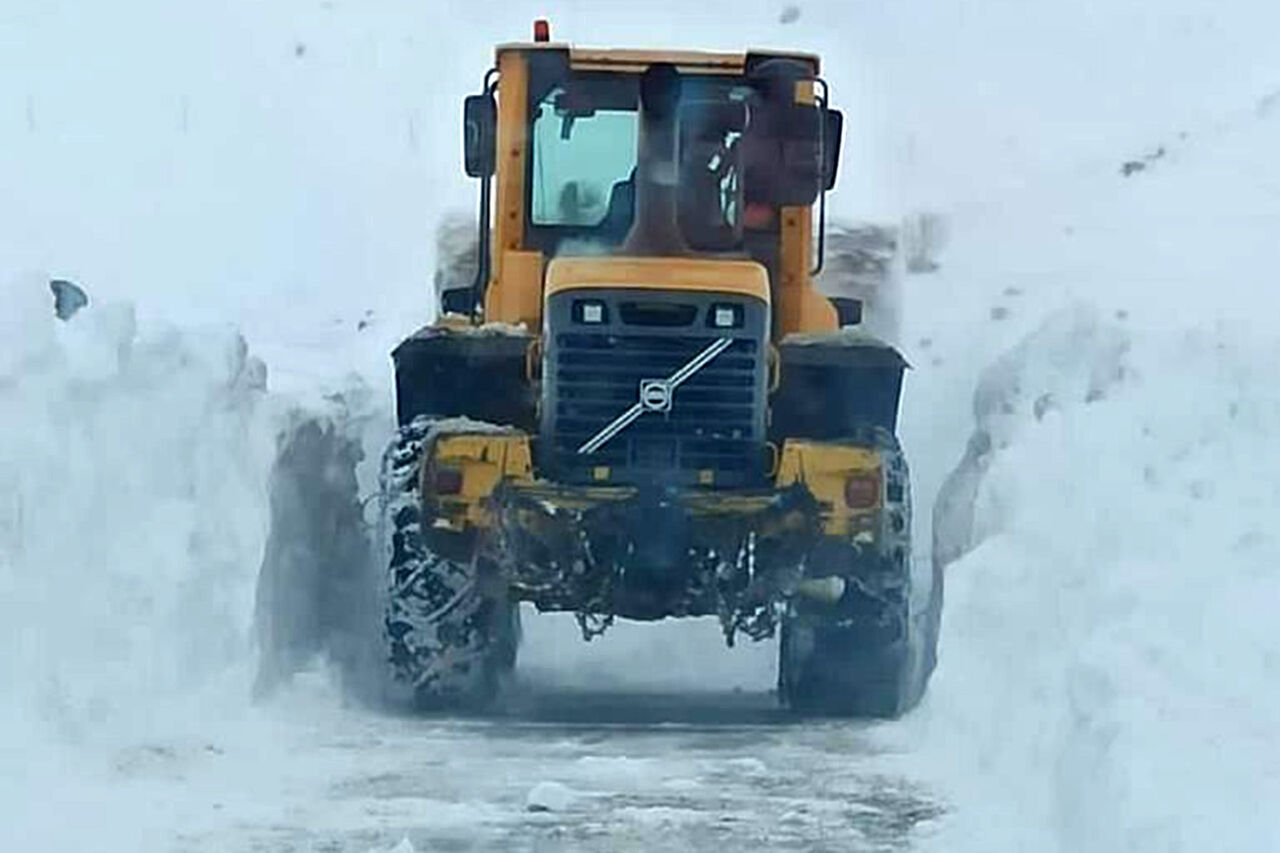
x: 483, y: 260
x: 824, y: 100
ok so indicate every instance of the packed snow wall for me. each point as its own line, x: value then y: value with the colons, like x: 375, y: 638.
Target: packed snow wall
x: 132, y: 507
x: 1109, y: 659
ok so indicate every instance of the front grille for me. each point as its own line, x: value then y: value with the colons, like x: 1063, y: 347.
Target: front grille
x: 713, y: 431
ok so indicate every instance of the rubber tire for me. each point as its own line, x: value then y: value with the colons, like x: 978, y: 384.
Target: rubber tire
x: 451, y: 631
x: 847, y: 670
x: 866, y: 655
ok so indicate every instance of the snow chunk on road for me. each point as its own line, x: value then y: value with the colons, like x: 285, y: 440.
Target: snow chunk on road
x: 549, y: 797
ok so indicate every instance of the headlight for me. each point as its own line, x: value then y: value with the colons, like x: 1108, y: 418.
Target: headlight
x: 725, y: 316
x: 590, y: 311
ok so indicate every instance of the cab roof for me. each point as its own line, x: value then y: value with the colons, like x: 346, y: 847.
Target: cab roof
x: 628, y: 60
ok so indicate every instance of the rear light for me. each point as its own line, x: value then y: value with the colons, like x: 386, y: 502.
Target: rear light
x: 542, y: 30
x: 445, y: 481
x: 862, y: 490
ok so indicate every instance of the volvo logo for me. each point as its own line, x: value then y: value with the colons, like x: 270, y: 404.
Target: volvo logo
x: 655, y: 395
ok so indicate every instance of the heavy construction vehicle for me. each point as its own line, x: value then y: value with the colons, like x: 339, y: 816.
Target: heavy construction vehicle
x: 642, y: 407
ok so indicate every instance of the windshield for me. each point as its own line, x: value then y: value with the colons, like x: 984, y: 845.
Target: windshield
x: 581, y: 178
x: 578, y: 160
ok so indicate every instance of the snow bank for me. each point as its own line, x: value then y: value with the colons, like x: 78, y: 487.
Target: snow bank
x: 132, y: 504
x: 1109, y: 658
x: 1074, y: 357
x: 134, y: 461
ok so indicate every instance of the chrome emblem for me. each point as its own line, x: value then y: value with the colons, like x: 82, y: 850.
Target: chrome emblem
x: 656, y: 395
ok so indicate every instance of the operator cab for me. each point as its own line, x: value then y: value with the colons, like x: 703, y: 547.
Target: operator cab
x: 752, y: 133
x: 745, y: 148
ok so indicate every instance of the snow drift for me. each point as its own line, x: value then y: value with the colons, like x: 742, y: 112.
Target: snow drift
x: 1109, y: 659
x: 1106, y: 677
x: 132, y: 500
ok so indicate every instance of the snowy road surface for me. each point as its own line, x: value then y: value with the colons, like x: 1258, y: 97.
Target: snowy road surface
x: 563, y: 769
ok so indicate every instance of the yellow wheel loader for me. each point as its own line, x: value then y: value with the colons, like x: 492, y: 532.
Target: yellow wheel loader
x: 642, y: 407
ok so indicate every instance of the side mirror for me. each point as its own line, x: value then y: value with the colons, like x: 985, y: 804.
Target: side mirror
x: 832, y: 134
x: 800, y: 168
x: 848, y: 311
x: 479, y: 134
x: 458, y: 300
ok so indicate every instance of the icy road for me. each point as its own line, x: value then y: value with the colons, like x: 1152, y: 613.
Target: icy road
x: 649, y: 771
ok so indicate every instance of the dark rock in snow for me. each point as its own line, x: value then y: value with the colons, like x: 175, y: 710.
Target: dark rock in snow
x: 68, y: 298
x: 1132, y: 167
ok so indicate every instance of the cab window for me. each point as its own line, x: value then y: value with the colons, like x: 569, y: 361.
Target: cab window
x: 578, y: 158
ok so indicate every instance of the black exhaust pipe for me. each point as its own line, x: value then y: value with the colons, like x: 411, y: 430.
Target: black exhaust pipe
x: 656, y: 231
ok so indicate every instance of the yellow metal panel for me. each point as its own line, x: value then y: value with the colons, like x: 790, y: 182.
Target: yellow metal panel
x: 824, y: 469
x: 633, y: 61
x: 513, y: 87
x: 517, y: 296
x: 739, y: 278
x: 630, y: 60
x: 484, y: 461
x: 701, y: 502
x: 799, y: 306
x: 509, y: 291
